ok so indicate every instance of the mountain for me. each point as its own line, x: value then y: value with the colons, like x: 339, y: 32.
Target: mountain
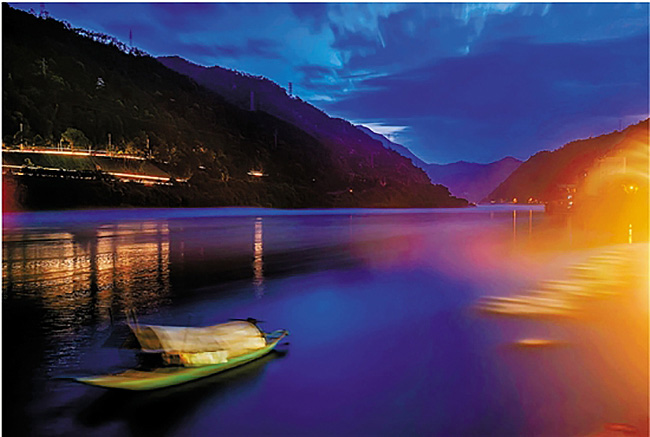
x: 468, y: 180
x: 600, y: 184
x: 59, y: 80
x: 544, y: 174
x: 394, y: 146
x: 471, y: 180
x: 363, y: 160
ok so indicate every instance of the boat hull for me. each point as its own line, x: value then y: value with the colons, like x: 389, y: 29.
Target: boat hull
x: 138, y: 380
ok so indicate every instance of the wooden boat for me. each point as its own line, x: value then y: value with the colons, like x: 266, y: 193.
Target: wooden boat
x: 181, y: 354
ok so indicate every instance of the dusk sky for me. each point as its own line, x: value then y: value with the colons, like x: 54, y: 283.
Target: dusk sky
x: 473, y: 82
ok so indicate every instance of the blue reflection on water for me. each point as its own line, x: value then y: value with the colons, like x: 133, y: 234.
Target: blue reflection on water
x: 378, y: 303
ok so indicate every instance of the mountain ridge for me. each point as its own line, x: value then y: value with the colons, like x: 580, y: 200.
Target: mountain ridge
x: 58, y: 78
x: 540, y: 175
x: 469, y: 180
x: 344, y: 140
x: 402, y: 150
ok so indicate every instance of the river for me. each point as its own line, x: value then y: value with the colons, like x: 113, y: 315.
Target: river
x: 381, y: 307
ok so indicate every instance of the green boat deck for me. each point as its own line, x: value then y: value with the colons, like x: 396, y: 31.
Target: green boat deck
x: 162, y: 377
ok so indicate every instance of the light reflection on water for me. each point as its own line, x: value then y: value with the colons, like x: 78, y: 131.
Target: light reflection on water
x: 117, y: 265
x: 82, y: 277
x: 258, y: 259
x: 379, y: 306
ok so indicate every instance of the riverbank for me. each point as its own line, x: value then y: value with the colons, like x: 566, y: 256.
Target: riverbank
x: 45, y: 191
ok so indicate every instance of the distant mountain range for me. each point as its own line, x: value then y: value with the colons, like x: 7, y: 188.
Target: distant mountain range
x: 469, y: 180
x: 203, y: 128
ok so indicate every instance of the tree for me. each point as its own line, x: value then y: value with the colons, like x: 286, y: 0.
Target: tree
x: 76, y: 138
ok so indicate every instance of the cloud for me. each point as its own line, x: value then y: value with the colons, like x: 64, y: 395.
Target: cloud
x: 321, y: 80
x: 383, y: 129
x: 476, y: 13
x: 360, y: 17
x: 505, y: 94
x: 396, y: 134
x: 184, y: 16
x: 264, y: 48
x: 314, y: 14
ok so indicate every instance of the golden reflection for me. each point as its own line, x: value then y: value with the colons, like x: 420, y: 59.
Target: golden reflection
x: 88, y: 273
x: 629, y: 234
x: 611, y: 272
x: 258, y: 261
x: 536, y: 342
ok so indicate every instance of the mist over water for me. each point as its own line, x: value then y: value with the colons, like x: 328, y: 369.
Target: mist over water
x: 381, y: 307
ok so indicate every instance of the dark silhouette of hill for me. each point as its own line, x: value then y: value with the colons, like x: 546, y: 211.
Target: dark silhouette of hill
x: 59, y: 80
x: 469, y: 180
x: 405, y: 152
x: 361, y: 160
x: 544, y: 174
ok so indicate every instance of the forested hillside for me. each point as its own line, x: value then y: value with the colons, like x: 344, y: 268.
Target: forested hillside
x: 543, y: 175
x: 58, y: 80
x: 360, y: 159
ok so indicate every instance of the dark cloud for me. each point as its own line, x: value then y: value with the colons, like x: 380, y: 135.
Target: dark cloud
x: 315, y: 71
x: 184, y: 16
x: 509, y: 93
x: 353, y: 41
x: 258, y: 48
x: 313, y: 14
x: 323, y: 80
x: 265, y: 48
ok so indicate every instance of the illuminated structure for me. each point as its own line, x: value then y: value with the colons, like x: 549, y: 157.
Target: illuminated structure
x: 257, y: 173
x: 83, y: 165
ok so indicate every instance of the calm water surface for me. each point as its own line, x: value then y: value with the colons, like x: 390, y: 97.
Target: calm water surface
x: 384, y: 339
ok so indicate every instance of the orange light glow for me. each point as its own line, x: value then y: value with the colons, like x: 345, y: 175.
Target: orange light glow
x: 535, y: 342
x: 630, y: 189
x: 613, y: 198
x: 629, y: 234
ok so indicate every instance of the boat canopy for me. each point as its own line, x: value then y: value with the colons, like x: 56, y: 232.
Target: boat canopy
x: 200, y: 346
